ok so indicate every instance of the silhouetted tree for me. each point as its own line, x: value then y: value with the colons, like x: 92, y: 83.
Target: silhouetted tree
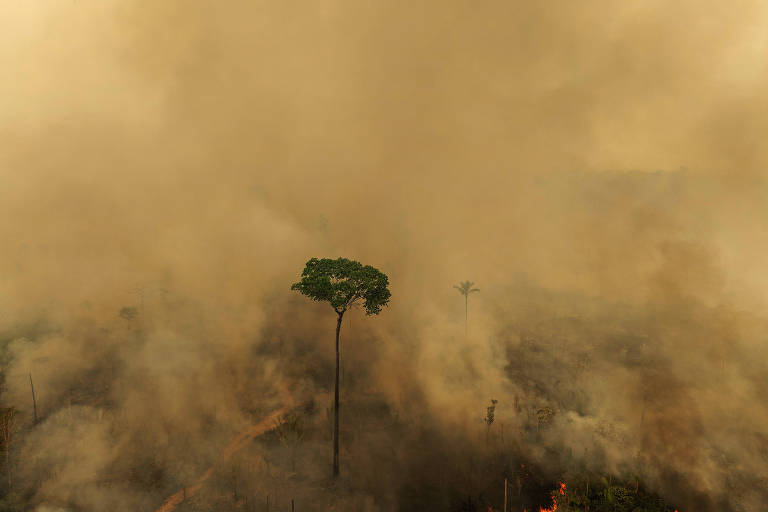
x: 343, y: 283
x: 490, y: 416
x: 128, y: 313
x: 465, y: 288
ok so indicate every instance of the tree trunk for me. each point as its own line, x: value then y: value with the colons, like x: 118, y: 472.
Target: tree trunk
x: 34, y: 402
x: 466, y: 299
x: 8, y: 455
x: 336, y: 404
x: 505, y: 495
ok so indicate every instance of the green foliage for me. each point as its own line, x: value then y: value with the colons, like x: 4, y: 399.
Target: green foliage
x: 465, y: 288
x: 607, y: 496
x: 343, y: 282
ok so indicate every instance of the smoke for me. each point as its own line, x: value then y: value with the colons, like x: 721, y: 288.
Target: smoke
x: 597, y: 170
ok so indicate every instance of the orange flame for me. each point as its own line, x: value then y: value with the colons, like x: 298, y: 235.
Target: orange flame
x: 553, y: 508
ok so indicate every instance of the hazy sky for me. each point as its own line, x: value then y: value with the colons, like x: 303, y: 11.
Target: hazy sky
x: 606, y: 151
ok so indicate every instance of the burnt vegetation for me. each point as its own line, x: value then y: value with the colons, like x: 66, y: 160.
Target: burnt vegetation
x: 395, y: 455
x: 170, y: 170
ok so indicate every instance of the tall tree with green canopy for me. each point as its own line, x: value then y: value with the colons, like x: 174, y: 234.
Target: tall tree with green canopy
x: 343, y: 283
x: 465, y: 288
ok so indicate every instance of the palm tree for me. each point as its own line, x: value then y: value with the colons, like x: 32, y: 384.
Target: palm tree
x: 465, y: 289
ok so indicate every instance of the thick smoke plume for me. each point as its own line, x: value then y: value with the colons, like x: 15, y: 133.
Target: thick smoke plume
x: 596, y: 169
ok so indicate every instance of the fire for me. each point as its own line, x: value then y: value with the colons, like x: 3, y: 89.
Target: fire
x: 553, y: 508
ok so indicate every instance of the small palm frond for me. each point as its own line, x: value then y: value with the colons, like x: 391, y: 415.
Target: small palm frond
x: 465, y: 287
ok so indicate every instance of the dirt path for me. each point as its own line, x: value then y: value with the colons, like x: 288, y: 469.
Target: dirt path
x: 235, y: 445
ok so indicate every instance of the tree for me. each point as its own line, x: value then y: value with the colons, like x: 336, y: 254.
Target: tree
x: 7, y: 428
x: 128, y: 313
x: 465, y: 289
x: 343, y: 283
x: 490, y: 416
